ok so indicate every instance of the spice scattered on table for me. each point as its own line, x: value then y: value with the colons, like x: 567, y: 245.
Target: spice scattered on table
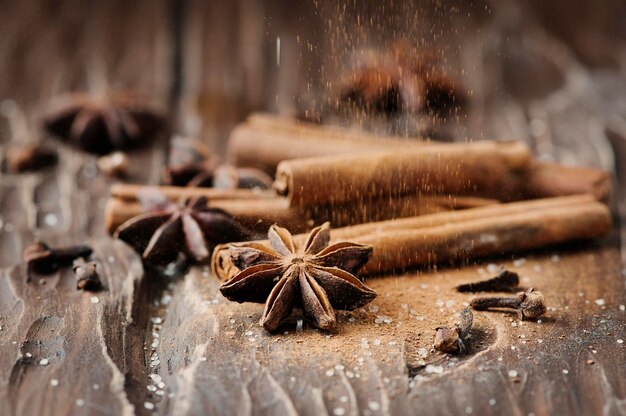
x: 316, y: 277
x: 43, y: 259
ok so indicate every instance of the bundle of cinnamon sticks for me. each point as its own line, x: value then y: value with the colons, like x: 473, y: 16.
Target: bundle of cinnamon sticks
x: 264, y: 141
x: 416, y: 202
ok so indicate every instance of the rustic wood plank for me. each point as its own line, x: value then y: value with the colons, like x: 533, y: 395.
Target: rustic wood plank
x: 211, y: 355
x: 295, y: 382
x: 212, y: 346
x: 65, y: 351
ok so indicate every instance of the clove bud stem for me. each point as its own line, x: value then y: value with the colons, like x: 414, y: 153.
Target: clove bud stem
x: 529, y: 304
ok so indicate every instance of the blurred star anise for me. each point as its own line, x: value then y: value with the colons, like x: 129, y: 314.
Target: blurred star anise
x: 373, y: 89
x: 102, y: 124
x: 191, y: 163
x: 189, y: 226
x: 403, y: 81
x: 316, y: 277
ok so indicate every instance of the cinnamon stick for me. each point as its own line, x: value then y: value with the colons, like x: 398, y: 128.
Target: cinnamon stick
x: 381, y: 209
x: 265, y: 140
x: 130, y: 192
x: 303, y: 129
x: 254, y: 214
x: 446, y: 218
x: 489, y: 169
x: 124, y: 204
x: 264, y: 148
x: 464, y: 235
x: 552, y: 179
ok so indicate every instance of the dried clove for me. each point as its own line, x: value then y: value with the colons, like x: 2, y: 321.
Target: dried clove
x: 87, y: 277
x: 506, y: 281
x: 529, y: 304
x: 29, y: 158
x: 43, y: 259
x: 453, y: 340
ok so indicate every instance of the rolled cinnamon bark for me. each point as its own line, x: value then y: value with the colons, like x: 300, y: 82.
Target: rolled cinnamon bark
x: 261, y: 212
x: 265, y: 140
x: 488, y: 169
x: 478, y: 238
x: 552, y: 179
x: 381, y: 209
x: 446, y: 218
x: 463, y: 235
x: 255, y: 214
x: 304, y: 129
x: 265, y: 149
x: 131, y: 192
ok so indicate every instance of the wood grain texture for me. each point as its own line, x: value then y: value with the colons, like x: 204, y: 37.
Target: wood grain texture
x: 51, y: 331
x: 211, y: 356
x: 94, y: 350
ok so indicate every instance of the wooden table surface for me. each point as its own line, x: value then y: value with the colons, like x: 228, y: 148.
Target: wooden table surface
x: 171, y: 344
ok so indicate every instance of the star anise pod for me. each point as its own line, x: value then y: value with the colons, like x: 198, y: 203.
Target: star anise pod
x: 315, y: 277
x: 188, y: 226
x: 102, y: 124
x: 231, y: 177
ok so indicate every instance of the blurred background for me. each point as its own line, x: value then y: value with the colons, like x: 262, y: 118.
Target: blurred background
x: 530, y: 68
